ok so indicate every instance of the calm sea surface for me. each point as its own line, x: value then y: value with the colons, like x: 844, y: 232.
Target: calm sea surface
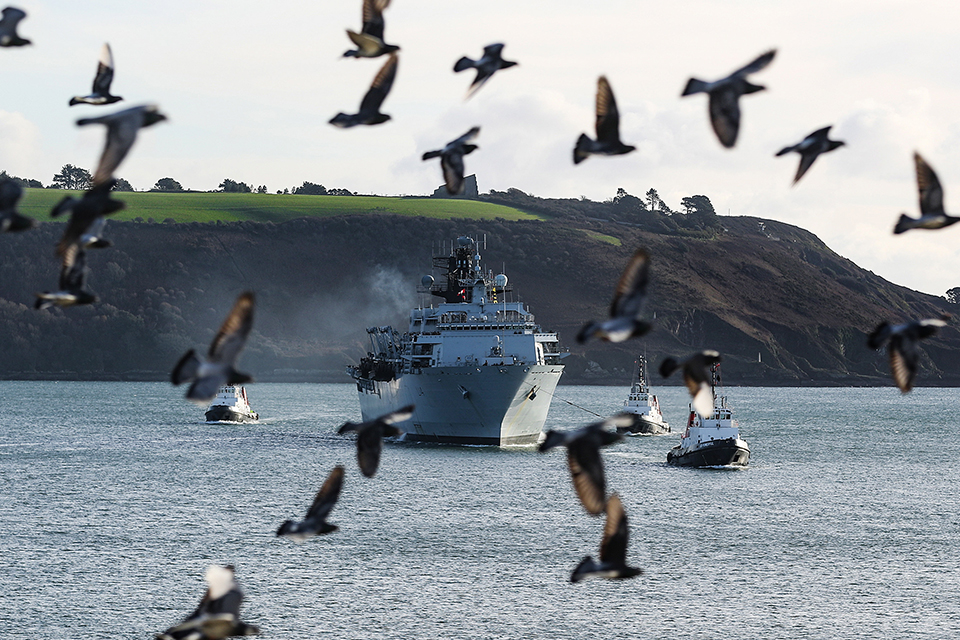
x: 116, y: 496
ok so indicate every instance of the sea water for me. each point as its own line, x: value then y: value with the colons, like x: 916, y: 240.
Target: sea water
x: 116, y: 496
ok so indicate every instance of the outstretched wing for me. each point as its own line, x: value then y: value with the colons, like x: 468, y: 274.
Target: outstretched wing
x: 233, y: 332
x: 631, y: 291
x: 613, y: 548
x: 758, y: 64
x: 380, y: 86
x: 586, y: 471
x: 327, y: 495
x: 931, y: 193
x: 608, y: 117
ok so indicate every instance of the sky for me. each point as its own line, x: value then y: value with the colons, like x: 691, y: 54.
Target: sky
x: 249, y: 88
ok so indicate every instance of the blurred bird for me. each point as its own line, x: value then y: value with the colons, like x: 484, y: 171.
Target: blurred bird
x: 101, y: 82
x: 218, y: 614
x: 10, y: 218
x: 696, y: 375
x: 85, y: 226
x: 626, y: 307
x: 810, y: 147
x: 369, y: 41
x: 613, y: 549
x: 583, y: 457
x: 932, y: 215
x: 725, y: 97
x: 73, y: 279
x: 608, y: 128
x: 122, y: 128
x: 370, y: 437
x: 315, y: 522
x: 8, y: 27
x: 488, y: 64
x: 217, y: 369
x: 370, y: 106
x: 451, y: 160
x: 901, y: 341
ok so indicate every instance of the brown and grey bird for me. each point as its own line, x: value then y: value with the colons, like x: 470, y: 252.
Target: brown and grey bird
x: 488, y: 64
x: 725, y: 97
x: 627, y: 306
x: 85, y: 226
x: 101, y: 82
x: 218, y: 614
x: 122, y: 128
x: 810, y: 147
x: 370, y: 437
x: 932, y: 215
x: 315, y: 522
x: 901, y: 341
x: 613, y: 549
x: 451, y: 159
x: 10, y: 219
x: 8, y: 27
x: 583, y: 457
x: 370, y: 106
x: 696, y: 375
x: 208, y: 374
x: 73, y: 280
x: 608, y: 128
x: 369, y: 41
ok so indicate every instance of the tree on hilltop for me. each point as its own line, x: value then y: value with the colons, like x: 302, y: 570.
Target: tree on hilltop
x: 230, y: 186
x: 26, y: 183
x: 310, y: 189
x: 167, y: 184
x: 122, y: 185
x: 71, y: 177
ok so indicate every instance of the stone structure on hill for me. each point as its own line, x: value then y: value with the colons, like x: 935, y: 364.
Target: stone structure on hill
x: 470, y: 189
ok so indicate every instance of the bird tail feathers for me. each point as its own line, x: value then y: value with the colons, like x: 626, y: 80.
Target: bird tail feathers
x: 876, y: 339
x: 582, y: 151
x: 431, y: 154
x: 463, y: 64
x: 186, y: 368
x: 694, y: 86
x: 553, y: 439
x: 586, y: 567
x: 787, y: 150
x: 905, y: 223
x: 668, y: 366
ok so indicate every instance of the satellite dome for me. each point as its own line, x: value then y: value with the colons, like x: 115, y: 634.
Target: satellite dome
x: 427, y: 281
x: 500, y: 280
x: 464, y: 241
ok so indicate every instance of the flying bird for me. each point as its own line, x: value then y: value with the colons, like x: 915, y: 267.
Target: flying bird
x: 583, y: 457
x: 901, y: 341
x: 101, y: 82
x: 626, y: 307
x: 613, y: 549
x: 73, y: 280
x: 218, y: 614
x: 369, y: 41
x: 85, y: 226
x: 8, y: 27
x: 11, y: 219
x: 488, y: 64
x: 451, y: 160
x: 608, y: 128
x: 370, y: 437
x: 725, y: 97
x: 932, y: 215
x: 696, y: 375
x: 809, y: 148
x: 315, y: 522
x: 376, y: 94
x: 122, y: 128
x: 217, y: 369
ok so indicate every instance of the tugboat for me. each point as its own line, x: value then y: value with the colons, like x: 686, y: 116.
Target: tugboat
x: 476, y: 366
x: 644, y: 405
x: 230, y: 405
x: 713, y: 441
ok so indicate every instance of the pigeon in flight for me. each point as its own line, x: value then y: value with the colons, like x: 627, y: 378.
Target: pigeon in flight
x: 613, y: 549
x: 370, y: 106
x: 369, y: 41
x: 10, y: 218
x: 101, y: 82
x: 315, y: 522
x: 608, y: 128
x: 218, y: 614
x: 8, y: 27
x: 696, y: 375
x: 370, y: 437
x: 932, y: 215
x: 725, y: 97
x: 809, y: 148
x: 583, y: 457
x: 87, y: 217
x: 901, y: 341
x: 451, y: 160
x: 627, y: 305
x: 122, y: 128
x: 73, y: 279
x: 488, y: 64
x: 217, y: 369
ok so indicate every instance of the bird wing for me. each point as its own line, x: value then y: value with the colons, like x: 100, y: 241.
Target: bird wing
x: 101, y: 82
x: 10, y: 194
x: 725, y: 115
x: 121, y: 134
x: 369, y: 448
x: 73, y: 269
x: 404, y: 413
x: 631, y: 291
x: 373, y: 17
x: 327, y: 495
x: 904, y: 359
x: 586, y: 470
x: 453, y: 168
x: 758, y: 64
x: 806, y: 161
x: 380, y: 86
x: 931, y: 193
x: 233, y: 332
x: 608, y: 118
x: 613, y: 548
x: 11, y: 17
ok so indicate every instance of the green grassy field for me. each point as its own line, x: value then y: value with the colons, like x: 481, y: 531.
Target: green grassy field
x: 229, y: 207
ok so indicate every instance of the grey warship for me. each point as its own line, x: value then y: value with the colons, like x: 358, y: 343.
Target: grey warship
x: 477, y: 367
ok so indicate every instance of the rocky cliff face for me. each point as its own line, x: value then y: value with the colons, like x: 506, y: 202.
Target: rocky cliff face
x: 780, y: 305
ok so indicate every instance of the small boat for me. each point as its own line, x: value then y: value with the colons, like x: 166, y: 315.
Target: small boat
x: 231, y: 405
x: 644, y: 405
x: 713, y: 441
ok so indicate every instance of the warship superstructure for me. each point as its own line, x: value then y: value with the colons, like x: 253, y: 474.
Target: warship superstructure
x: 477, y: 366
